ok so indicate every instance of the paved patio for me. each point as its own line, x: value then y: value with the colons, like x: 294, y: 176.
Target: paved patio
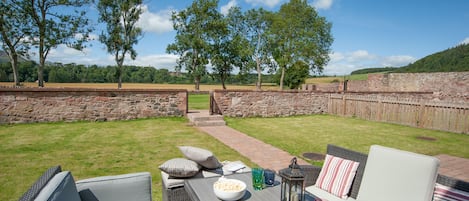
x: 270, y: 157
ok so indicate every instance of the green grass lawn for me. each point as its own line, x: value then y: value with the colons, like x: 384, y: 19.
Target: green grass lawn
x: 199, y: 101
x: 90, y: 149
x: 301, y: 134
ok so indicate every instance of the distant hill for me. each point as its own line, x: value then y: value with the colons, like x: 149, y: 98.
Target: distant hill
x: 454, y: 59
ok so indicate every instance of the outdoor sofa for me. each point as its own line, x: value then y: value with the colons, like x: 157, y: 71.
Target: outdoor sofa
x: 392, y: 176
x: 58, y: 185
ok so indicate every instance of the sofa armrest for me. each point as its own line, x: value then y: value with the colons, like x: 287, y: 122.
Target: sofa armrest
x: 40, y: 183
x: 135, y: 186
x: 311, y: 174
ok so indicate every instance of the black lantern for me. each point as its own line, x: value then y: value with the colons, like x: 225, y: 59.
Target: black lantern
x: 292, y: 188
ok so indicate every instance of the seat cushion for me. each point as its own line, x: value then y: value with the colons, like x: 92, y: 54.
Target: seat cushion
x: 134, y: 186
x: 60, y: 187
x: 324, y: 195
x: 392, y: 174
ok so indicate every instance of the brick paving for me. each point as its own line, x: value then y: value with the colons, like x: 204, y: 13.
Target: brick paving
x: 270, y: 157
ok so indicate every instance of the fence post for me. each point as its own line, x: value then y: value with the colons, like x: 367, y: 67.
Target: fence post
x: 420, y: 123
x: 344, y: 105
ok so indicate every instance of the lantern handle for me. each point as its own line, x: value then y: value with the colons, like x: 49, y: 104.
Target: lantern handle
x: 293, y: 162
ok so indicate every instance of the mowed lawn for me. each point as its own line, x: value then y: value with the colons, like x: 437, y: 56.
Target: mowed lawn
x: 90, y: 149
x: 301, y: 134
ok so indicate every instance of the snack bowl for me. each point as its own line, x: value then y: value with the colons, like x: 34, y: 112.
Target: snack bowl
x: 229, y: 189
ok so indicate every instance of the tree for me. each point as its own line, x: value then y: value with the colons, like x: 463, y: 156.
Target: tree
x: 257, y: 25
x: 55, y: 23
x: 229, y: 45
x: 298, y: 33
x: 296, y: 75
x: 194, y: 28
x: 15, y: 27
x: 122, y: 32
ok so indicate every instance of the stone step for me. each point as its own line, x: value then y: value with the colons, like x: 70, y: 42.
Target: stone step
x: 210, y: 123
x: 203, y: 118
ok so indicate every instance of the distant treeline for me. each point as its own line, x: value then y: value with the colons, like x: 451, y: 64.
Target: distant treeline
x: 77, y: 73
x: 455, y: 59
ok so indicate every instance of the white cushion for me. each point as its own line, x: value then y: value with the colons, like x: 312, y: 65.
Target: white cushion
x: 392, y: 174
x: 337, y: 175
x: 324, y: 195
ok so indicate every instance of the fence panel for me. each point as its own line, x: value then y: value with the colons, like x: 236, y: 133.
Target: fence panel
x: 418, y: 113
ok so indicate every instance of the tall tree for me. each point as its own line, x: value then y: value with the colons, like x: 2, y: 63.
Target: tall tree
x: 15, y: 28
x: 300, y: 34
x: 122, y: 32
x: 55, y: 23
x: 257, y: 25
x: 194, y: 29
x: 229, y: 45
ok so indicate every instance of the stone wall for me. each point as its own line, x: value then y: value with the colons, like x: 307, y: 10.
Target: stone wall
x: 22, y: 105
x: 270, y: 103
x: 450, y: 83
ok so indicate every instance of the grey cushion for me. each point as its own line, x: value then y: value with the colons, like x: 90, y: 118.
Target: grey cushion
x: 180, y: 167
x: 60, y: 187
x: 203, y: 157
x: 134, y: 186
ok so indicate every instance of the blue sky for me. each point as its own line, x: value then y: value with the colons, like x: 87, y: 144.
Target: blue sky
x: 367, y: 33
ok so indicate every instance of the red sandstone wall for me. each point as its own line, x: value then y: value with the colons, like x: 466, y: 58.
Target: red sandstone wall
x: 270, y: 103
x: 49, y: 105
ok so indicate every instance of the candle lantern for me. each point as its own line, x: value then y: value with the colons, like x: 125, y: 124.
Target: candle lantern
x: 292, y: 187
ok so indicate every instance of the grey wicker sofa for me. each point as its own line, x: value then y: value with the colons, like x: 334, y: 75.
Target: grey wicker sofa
x: 312, y: 172
x: 58, y: 185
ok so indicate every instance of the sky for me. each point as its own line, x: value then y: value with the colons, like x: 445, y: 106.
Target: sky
x: 367, y: 33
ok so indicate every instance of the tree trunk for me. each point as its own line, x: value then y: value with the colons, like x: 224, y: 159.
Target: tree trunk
x: 282, y: 77
x: 259, y: 75
x: 197, y: 83
x: 120, y: 63
x: 14, y: 66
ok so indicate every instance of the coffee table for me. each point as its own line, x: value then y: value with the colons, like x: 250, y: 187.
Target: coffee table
x: 202, y: 189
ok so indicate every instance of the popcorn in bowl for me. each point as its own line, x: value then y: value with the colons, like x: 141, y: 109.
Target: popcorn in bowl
x: 229, y: 189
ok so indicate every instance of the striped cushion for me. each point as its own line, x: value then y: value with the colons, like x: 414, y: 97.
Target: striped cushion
x: 337, y: 175
x: 445, y: 193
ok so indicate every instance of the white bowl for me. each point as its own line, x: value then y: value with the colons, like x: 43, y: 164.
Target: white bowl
x: 229, y: 189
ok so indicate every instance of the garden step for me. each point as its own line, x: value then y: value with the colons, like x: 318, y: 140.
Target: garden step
x: 203, y: 118
x: 210, y: 123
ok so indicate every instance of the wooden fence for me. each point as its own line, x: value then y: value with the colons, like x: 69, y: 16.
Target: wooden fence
x: 450, y: 117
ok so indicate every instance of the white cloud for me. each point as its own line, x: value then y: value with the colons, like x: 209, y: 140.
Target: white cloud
x: 159, y: 22
x: 167, y: 61
x: 345, y: 63
x: 465, y: 41
x: 322, y: 4
x: 224, y: 9
x: 269, y: 3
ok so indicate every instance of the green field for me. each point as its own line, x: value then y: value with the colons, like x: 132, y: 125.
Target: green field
x: 331, y: 79
x: 199, y: 101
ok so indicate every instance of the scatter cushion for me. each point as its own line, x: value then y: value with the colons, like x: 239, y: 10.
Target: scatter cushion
x: 180, y: 168
x: 337, y: 175
x: 444, y: 193
x: 203, y: 157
